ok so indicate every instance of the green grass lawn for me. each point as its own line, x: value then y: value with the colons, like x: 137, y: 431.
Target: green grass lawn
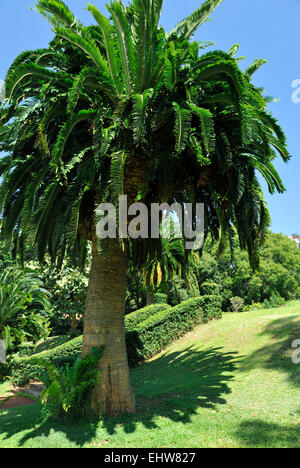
x: 230, y: 383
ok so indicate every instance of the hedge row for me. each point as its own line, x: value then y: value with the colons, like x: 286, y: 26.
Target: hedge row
x: 155, y: 333
x: 22, y: 369
x: 160, y: 326
x: 133, y: 319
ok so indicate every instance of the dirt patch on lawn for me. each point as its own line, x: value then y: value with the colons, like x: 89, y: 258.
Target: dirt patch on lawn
x: 14, y: 400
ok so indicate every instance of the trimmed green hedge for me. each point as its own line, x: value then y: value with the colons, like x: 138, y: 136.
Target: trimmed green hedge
x: 22, y: 369
x: 212, y: 307
x: 133, y: 319
x: 155, y: 333
x: 160, y: 326
x: 160, y: 298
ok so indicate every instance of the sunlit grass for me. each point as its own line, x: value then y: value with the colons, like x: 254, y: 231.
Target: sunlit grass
x: 230, y: 383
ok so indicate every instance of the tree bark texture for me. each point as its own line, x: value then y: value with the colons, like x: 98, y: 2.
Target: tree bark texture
x: 104, y: 325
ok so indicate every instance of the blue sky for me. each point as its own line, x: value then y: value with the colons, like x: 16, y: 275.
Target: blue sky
x: 264, y: 29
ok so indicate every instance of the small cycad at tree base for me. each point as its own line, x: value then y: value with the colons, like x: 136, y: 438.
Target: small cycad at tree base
x: 68, y: 391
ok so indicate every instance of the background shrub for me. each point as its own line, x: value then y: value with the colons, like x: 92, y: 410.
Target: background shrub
x: 4, y: 371
x: 209, y: 288
x: 254, y: 306
x: 275, y: 301
x: 236, y: 304
x: 160, y: 298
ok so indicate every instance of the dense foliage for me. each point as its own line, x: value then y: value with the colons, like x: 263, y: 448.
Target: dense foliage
x: 68, y: 287
x: 24, y: 307
x: 24, y: 369
x: 278, y: 276
x: 66, y: 393
x: 124, y: 107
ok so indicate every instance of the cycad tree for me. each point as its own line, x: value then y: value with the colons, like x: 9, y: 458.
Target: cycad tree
x: 125, y: 108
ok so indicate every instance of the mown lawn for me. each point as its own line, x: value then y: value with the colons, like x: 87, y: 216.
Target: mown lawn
x: 230, y: 383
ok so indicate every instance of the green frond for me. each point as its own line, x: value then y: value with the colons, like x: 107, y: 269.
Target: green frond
x: 145, y: 28
x: 117, y: 168
x: 88, y: 46
x: 88, y: 77
x: 255, y: 66
x: 140, y: 102
x: 124, y: 41
x: 15, y: 180
x: 40, y: 218
x: 207, y: 127
x: 71, y: 227
x: 182, y: 128
x: 55, y: 111
x: 189, y: 26
x: 197, y: 148
x: 270, y: 122
x: 233, y: 50
x: 223, y: 67
x: 280, y: 147
x: 65, y: 133
x: 31, y: 199
x: 107, y: 32
x: 68, y: 167
x: 56, y: 12
x: 16, y: 75
x: 224, y: 152
x: 269, y: 173
x: 41, y: 141
x: 169, y: 73
x: 107, y: 134
x: 225, y: 98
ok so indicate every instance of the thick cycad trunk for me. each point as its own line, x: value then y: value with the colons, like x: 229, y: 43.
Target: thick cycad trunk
x: 150, y: 298
x: 104, y: 325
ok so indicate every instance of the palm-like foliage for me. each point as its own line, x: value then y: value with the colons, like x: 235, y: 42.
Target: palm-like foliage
x: 66, y: 390
x: 174, y: 262
x: 124, y: 107
x: 22, y: 302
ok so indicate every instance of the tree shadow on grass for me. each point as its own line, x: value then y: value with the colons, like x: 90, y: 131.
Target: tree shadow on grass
x: 277, y: 355
x: 176, y: 385
x: 173, y: 386
x: 255, y: 433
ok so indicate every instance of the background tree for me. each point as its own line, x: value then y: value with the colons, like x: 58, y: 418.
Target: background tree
x: 279, y: 274
x: 24, y: 304
x: 158, y: 122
